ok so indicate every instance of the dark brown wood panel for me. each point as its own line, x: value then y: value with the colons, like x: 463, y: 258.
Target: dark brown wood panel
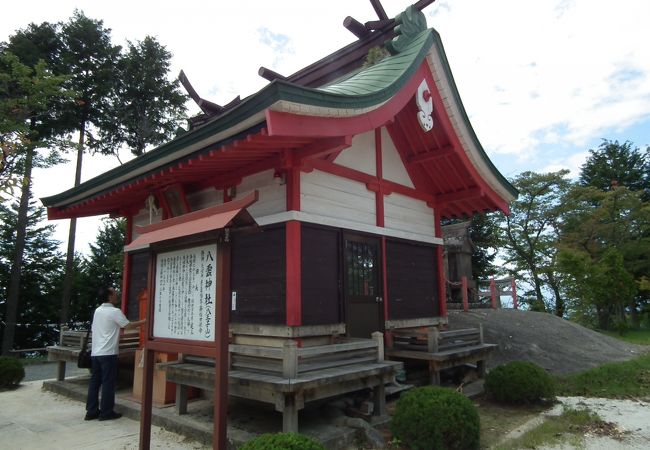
x: 258, y: 277
x: 412, y: 280
x: 139, y: 270
x: 320, y: 276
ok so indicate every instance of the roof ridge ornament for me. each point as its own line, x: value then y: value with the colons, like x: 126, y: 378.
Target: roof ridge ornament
x: 409, y: 24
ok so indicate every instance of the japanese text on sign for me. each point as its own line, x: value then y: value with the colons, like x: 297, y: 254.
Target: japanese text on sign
x: 185, y: 293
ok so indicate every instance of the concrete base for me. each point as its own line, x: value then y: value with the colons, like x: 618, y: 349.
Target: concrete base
x: 246, y: 419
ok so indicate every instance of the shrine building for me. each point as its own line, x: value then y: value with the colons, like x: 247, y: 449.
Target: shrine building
x: 347, y: 167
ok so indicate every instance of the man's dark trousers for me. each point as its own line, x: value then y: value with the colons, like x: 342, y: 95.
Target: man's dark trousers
x: 103, y: 374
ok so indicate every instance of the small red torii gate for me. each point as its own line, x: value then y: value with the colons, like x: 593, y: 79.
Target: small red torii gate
x: 504, y: 286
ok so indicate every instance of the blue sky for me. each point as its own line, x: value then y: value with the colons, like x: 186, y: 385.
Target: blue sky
x: 542, y: 81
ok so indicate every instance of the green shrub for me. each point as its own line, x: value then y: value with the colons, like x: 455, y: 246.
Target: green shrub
x: 519, y: 382
x: 11, y: 372
x: 432, y: 417
x: 282, y: 441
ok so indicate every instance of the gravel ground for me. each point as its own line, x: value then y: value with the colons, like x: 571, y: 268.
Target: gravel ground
x: 557, y: 345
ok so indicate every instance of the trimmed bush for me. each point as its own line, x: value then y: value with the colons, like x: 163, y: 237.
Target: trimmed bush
x: 282, y: 441
x: 11, y: 372
x: 432, y: 417
x: 519, y: 382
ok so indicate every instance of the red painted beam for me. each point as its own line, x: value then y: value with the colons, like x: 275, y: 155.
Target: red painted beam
x: 459, y: 196
x: 379, y: 169
x: 362, y: 177
x: 442, y: 283
x: 293, y: 274
x: 432, y: 155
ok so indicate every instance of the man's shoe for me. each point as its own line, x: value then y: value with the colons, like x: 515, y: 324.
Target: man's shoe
x: 112, y: 416
x: 91, y: 416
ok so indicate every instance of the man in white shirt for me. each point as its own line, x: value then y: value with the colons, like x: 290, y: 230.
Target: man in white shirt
x: 107, y: 322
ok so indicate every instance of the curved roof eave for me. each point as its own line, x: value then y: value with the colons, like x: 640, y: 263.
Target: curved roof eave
x: 356, y: 94
x: 439, y: 66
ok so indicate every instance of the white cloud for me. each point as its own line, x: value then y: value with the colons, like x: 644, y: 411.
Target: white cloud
x: 526, y: 69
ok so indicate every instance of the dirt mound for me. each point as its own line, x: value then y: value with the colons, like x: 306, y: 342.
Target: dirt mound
x: 553, y: 343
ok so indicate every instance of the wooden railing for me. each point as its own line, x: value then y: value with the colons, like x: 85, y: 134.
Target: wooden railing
x: 441, y: 349
x: 71, y: 341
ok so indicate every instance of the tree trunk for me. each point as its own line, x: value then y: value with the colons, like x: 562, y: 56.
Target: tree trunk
x: 559, y: 301
x: 634, y: 315
x: 69, y: 260
x: 13, y: 296
x: 538, y: 291
x: 603, y: 317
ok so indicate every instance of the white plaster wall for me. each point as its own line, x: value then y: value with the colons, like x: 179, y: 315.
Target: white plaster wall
x: 332, y: 196
x: 392, y: 166
x: 205, y: 198
x: 360, y: 155
x: 408, y: 214
x: 272, y: 194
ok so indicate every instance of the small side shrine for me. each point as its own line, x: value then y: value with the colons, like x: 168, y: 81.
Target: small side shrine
x: 354, y: 166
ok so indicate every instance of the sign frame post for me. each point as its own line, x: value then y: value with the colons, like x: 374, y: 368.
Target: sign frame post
x: 216, y: 348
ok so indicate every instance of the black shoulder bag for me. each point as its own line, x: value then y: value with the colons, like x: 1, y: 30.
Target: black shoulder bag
x: 84, y: 361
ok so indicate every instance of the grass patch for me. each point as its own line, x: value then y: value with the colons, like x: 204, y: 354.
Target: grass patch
x: 641, y: 336
x: 497, y: 420
x: 628, y: 379
x: 569, y: 427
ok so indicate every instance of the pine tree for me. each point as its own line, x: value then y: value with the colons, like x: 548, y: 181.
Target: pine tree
x: 37, y: 313
x: 147, y: 106
x: 103, y: 267
x: 26, y: 97
x: 88, y: 57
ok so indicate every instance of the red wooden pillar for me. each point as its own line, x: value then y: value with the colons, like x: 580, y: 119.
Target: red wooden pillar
x: 442, y: 288
x: 493, y: 293
x: 293, y: 251
x: 379, y: 194
x: 126, y: 278
x: 515, y: 304
x: 222, y: 322
x: 463, y: 287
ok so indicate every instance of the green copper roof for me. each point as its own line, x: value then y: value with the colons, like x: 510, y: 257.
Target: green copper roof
x: 386, y: 72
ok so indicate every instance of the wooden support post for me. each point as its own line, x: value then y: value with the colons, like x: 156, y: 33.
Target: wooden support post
x: 379, y: 338
x: 434, y: 374
x: 290, y: 359
x: 432, y: 340
x: 480, y: 368
x: 290, y: 414
x: 181, y: 399
x: 379, y: 399
x: 513, y: 284
x: 463, y: 288
x: 493, y: 293
x: 60, y: 371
